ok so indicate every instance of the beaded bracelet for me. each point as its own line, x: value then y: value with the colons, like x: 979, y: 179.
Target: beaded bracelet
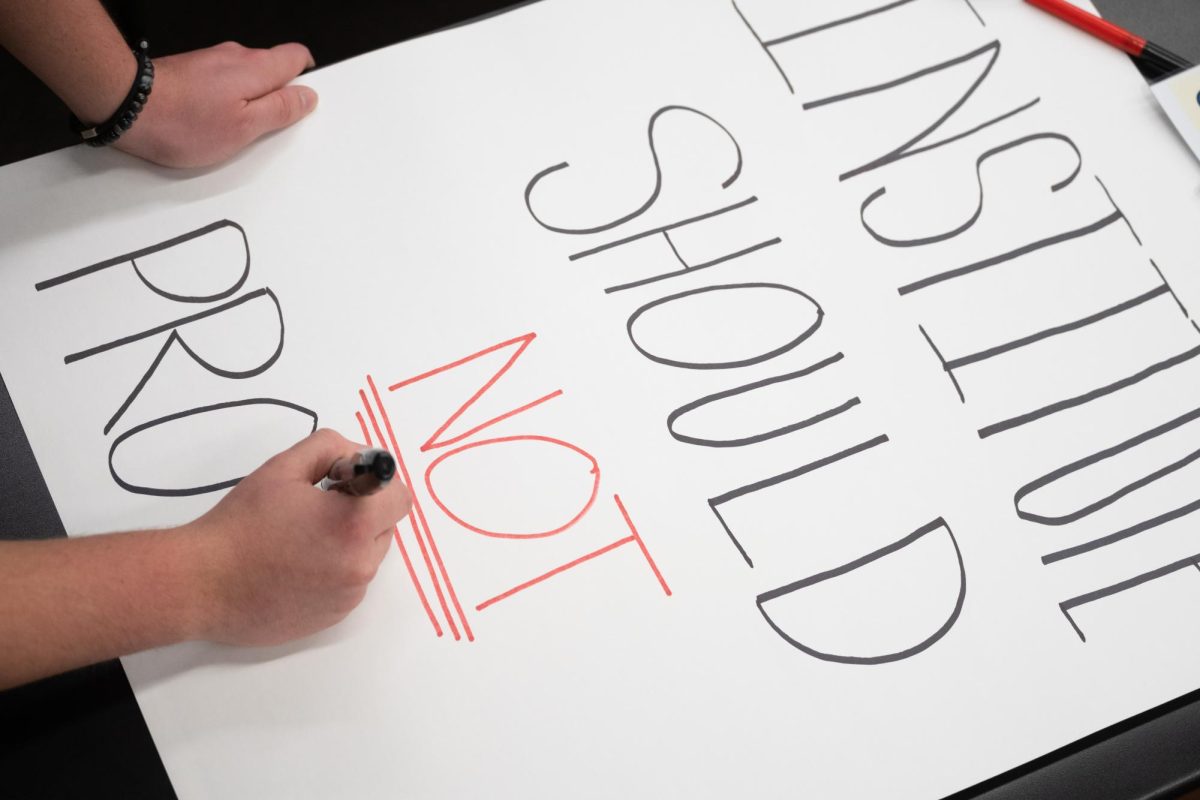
x: 109, y: 131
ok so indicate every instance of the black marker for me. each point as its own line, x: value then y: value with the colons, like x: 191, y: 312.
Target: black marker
x: 361, y: 474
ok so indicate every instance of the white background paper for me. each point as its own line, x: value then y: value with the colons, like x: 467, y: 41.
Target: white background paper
x: 392, y: 227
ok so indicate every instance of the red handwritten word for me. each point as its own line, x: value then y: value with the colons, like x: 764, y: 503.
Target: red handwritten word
x: 431, y: 509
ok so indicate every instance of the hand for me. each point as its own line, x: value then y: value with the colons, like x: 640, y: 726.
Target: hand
x: 285, y: 559
x: 208, y: 104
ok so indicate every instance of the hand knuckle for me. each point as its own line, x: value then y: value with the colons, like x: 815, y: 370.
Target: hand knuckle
x: 245, y: 126
x: 274, y: 461
x: 326, y: 436
x: 360, y: 572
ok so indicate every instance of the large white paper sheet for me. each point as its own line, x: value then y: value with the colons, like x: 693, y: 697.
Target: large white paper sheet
x: 800, y: 399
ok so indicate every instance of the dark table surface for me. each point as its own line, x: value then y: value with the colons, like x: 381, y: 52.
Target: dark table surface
x: 82, y: 734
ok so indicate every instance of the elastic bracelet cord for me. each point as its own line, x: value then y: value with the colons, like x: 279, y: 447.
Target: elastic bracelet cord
x: 122, y: 119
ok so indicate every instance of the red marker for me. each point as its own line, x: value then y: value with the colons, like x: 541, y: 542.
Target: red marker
x: 1159, y: 59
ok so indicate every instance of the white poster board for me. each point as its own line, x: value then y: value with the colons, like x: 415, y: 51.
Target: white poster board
x: 799, y: 399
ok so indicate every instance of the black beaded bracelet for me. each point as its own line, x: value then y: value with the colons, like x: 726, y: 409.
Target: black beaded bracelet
x: 110, y: 130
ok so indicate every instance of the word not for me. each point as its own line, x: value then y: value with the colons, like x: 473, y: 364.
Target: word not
x: 594, y: 522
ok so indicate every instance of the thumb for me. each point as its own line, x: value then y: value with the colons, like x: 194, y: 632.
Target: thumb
x: 280, y: 108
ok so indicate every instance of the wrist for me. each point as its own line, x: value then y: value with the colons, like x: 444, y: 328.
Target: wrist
x: 97, y: 98
x: 157, y: 133
x: 193, y: 569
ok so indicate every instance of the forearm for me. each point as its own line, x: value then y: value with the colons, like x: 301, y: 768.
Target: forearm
x: 70, y: 602
x: 74, y: 48
x: 274, y: 560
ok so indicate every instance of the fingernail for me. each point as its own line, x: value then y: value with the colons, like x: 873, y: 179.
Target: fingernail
x: 312, y: 62
x: 308, y: 98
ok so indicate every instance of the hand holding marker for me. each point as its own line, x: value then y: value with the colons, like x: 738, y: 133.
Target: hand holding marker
x: 361, y: 474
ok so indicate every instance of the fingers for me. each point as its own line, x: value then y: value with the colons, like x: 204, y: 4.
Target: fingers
x: 369, y: 544
x: 362, y: 525
x: 378, y: 548
x: 399, y: 501
x: 376, y: 514
x: 278, y: 66
x: 279, y: 109
x: 381, y: 545
x: 271, y: 103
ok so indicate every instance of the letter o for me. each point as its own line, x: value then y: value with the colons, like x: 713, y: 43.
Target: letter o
x: 817, y: 316
x: 595, y: 488
x: 193, y: 490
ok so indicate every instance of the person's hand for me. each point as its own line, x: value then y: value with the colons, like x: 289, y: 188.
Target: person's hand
x: 208, y: 104
x: 283, y: 559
